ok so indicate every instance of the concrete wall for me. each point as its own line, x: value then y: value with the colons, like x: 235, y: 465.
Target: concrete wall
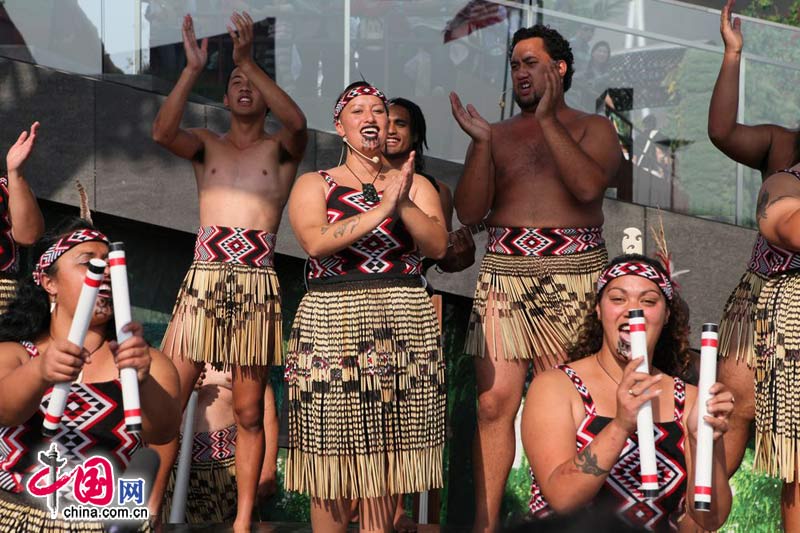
x: 99, y: 133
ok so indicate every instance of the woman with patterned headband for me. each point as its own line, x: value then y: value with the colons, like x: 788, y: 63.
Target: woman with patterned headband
x: 579, y: 421
x: 35, y: 354
x: 364, y: 365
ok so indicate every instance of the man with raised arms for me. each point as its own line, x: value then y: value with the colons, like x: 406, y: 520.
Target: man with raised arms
x: 228, y: 308
x: 538, y: 178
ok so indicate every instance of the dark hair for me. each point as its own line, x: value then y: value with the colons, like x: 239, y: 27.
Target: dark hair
x: 418, y: 130
x: 557, y: 47
x: 28, y: 315
x: 672, y: 355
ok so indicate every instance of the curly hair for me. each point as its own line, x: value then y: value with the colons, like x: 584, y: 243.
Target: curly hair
x: 672, y: 355
x: 28, y: 315
x: 557, y: 47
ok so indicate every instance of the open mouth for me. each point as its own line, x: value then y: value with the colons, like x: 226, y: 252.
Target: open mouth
x: 369, y: 133
x: 525, y: 86
x: 392, y: 141
x: 625, y: 334
x: 104, y: 291
x: 245, y: 100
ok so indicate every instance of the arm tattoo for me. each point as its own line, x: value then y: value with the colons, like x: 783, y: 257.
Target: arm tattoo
x: 324, y: 229
x: 586, y: 462
x: 349, y: 223
x: 761, y: 206
x: 765, y: 202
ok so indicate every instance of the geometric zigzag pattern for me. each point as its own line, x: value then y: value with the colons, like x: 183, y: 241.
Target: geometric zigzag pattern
x: 543, y: 241
x: 92, y: 424
x: 387, y: 249
x: 8, y: 246
x: 214, y: 445
x: 220, y: 244
x: 635, y: 268
x: 622, y: 485
x: 769, y: 260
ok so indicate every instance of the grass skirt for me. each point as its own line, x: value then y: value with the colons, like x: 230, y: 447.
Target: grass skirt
x: 366, y: 381
x: 8, y: 289
x: 540, y: 303
x: 227, y: 314
x: 737, y: 327
x: 777, y: 372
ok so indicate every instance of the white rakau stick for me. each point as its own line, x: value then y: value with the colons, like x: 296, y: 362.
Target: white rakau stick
x: 77, y: 334
x: 177, y: 514
x: 122, y: 317
x: 644, y: 420
x: 705, y: 433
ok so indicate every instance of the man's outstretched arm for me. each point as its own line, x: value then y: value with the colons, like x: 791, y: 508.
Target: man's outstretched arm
x: 166, y: 127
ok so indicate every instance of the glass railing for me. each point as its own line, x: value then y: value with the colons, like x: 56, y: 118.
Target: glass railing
x: 649, y: 65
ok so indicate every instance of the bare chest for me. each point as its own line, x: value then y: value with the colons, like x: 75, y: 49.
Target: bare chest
x: 255, y: 168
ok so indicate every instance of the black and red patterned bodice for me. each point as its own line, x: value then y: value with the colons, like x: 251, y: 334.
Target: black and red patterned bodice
x: 93, y: 424
x: 387, y: 251
x: 8, y: 248
x: 621, y: 488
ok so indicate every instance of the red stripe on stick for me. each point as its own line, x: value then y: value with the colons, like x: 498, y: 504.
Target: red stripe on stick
x: 652, y: 478
x: 52, y: 419
x: 709, y: 342
x: 133, y: 412
x: 637, y: 327
x: 92, y: 282
x: 117, y: 261
x: 702, y: 490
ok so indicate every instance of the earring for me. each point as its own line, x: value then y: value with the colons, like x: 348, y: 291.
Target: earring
x: 52, y: 306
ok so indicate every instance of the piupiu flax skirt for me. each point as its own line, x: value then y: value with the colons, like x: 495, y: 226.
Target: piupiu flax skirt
x: 737, y: 327
x: 227, y: 314
x: 18, y: 515
x: 777, y: 372
x: 538, y: 302
x: 366, y: 381
x: 212, y: 492
x: 8, y: 289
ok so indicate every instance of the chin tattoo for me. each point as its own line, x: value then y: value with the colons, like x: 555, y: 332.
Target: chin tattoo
x: 623, y: 349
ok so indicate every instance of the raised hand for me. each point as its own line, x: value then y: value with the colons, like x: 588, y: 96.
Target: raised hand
x: 18, y: 154
x: 731, y: 29
x: 720, y: 407
x: 242, y: 37
x: 553, y: 91
x: 396, y: 192
x: 635, y: 388
x: 470, y: 120
x: 134, y: 352
x: 196, y: 56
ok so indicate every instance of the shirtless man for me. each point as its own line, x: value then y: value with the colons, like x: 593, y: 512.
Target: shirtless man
x: 228, y: 309
x: 539, y: 177
x: 767, y: 148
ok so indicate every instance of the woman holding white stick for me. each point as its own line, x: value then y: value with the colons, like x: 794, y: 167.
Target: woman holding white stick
x: 35, y: 354
x: 579, y: 421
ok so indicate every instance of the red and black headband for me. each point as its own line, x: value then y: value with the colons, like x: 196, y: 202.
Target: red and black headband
x: 636, y: 267
x: 361, y: 90
x: 62, y: 245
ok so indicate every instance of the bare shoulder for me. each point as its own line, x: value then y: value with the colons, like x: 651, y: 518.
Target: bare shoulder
x: 551, y: 383
x: 11, y: 352
x: 162, y: 365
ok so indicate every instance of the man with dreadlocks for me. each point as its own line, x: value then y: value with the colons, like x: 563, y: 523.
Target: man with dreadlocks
x: 539, y: 179
x: 228, y: 309
x: 777, y: 341
x: 21, y: 220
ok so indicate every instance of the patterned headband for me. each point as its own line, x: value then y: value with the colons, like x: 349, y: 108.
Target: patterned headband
x: 636, y: 268
x: 361, y: 90
x: 63, y: 244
